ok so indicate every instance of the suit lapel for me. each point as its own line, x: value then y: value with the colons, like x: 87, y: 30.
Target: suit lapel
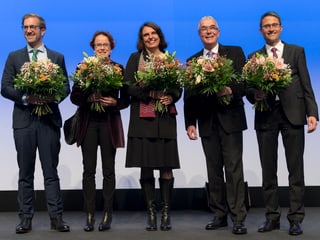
x: 50, y: 55
x: 286, y: 51
x: 25, y: 55
x: 263, y: 51
x: 222, y: 50
x: 200, y: 53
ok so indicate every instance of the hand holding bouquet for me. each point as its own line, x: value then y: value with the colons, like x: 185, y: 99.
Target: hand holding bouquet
x: 97, y: 75
x: 44, y: 82
x: 210, y: 75
x: 267, y: 74
x: 161, y: 75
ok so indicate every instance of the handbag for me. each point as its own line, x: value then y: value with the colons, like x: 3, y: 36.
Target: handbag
x: 70, y: 128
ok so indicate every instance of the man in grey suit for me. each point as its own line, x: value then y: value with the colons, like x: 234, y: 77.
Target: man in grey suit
x: 32, y: 132
x: 221, y: 130
x: 290, y: 110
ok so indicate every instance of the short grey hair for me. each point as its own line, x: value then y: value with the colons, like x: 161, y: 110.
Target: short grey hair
x: 206, y: 18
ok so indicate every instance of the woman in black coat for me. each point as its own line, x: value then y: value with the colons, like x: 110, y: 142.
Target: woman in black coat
x: 152, y: 136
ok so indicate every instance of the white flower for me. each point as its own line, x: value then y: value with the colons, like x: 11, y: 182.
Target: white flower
x: 198, y: 79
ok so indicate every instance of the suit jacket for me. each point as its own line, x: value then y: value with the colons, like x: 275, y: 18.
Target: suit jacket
x: 22, y: 114
x: 206, y: 111
x: 113, y: 116
x: 162, y: 126
x: 297, y: 99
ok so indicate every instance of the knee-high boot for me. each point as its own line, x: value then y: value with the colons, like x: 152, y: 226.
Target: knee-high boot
x: 166, y: 186
x: 148, y: 189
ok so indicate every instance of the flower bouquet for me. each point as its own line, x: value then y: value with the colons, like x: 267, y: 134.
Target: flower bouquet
x: 209, y: 75
x: 267, y: 74
x: 163, y: 74
x: 41, y: 78
x: 97, y: 75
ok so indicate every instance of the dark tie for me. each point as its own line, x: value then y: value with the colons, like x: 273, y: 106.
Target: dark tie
x: 34, y: 55
x: 274, y: 52
x: 210, y: 54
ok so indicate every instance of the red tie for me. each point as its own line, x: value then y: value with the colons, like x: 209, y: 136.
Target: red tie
x: 274, y: 52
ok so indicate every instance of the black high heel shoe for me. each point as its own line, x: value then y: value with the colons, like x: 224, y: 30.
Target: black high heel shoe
x: 89, y: 227
x: 105, y: 222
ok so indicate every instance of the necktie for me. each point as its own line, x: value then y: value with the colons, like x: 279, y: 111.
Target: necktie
x: 210, y: 54
x: 34, y: 54
x: 274, y: 52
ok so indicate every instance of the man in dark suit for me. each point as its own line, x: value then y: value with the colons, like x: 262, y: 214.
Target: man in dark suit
x: 287, y: 115
x: 221, y: 131
x: 32, y: 132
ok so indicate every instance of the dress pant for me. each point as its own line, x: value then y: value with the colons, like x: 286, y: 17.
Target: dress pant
x: 223, y: 154
x: 97, y: 134
x: 293, y: 142
x: 45, y: 137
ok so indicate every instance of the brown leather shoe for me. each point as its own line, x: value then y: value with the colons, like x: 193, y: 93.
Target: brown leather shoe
x: 269, y: 225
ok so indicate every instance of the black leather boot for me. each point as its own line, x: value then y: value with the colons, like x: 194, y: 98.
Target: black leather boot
x: 105, y: 222
x: 89, y: 227
x: 148, y: 189
x: 166, y: 186
x: 152, y: 216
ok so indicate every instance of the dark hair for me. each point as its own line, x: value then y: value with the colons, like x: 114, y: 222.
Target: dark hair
x: 163, y: 44
x: 271, y: 14
x: 28, y: 15
x: 105, y: 33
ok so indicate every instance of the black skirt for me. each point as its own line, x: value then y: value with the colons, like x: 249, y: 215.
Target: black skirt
x: 152, y: 153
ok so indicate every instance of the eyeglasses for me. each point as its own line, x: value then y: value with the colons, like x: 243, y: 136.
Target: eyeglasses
x: 211, y: 28
x: 100, y: 45
x: 32, y: 27
x: 273, y: 25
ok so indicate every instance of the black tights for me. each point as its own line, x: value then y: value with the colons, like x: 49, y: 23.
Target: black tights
x: 147, y: 173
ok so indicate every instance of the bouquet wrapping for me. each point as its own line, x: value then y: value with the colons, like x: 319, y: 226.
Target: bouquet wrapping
x: 161, y: 74
x: 268, y: 74
x: 41, y: 78
x: 209, y: 75
x: 97, y: 75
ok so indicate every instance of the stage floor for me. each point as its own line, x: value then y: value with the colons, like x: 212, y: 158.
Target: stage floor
x: 186, y: 225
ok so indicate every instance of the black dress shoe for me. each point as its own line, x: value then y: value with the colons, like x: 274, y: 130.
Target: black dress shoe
x: 89, y: 227
x: 24, y: 226
x: 217, y: 223
x: 295, y: 228
x: 239, y: 228
x: 106, y: 222
x: 58, y: 224
x: 269, y: 225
